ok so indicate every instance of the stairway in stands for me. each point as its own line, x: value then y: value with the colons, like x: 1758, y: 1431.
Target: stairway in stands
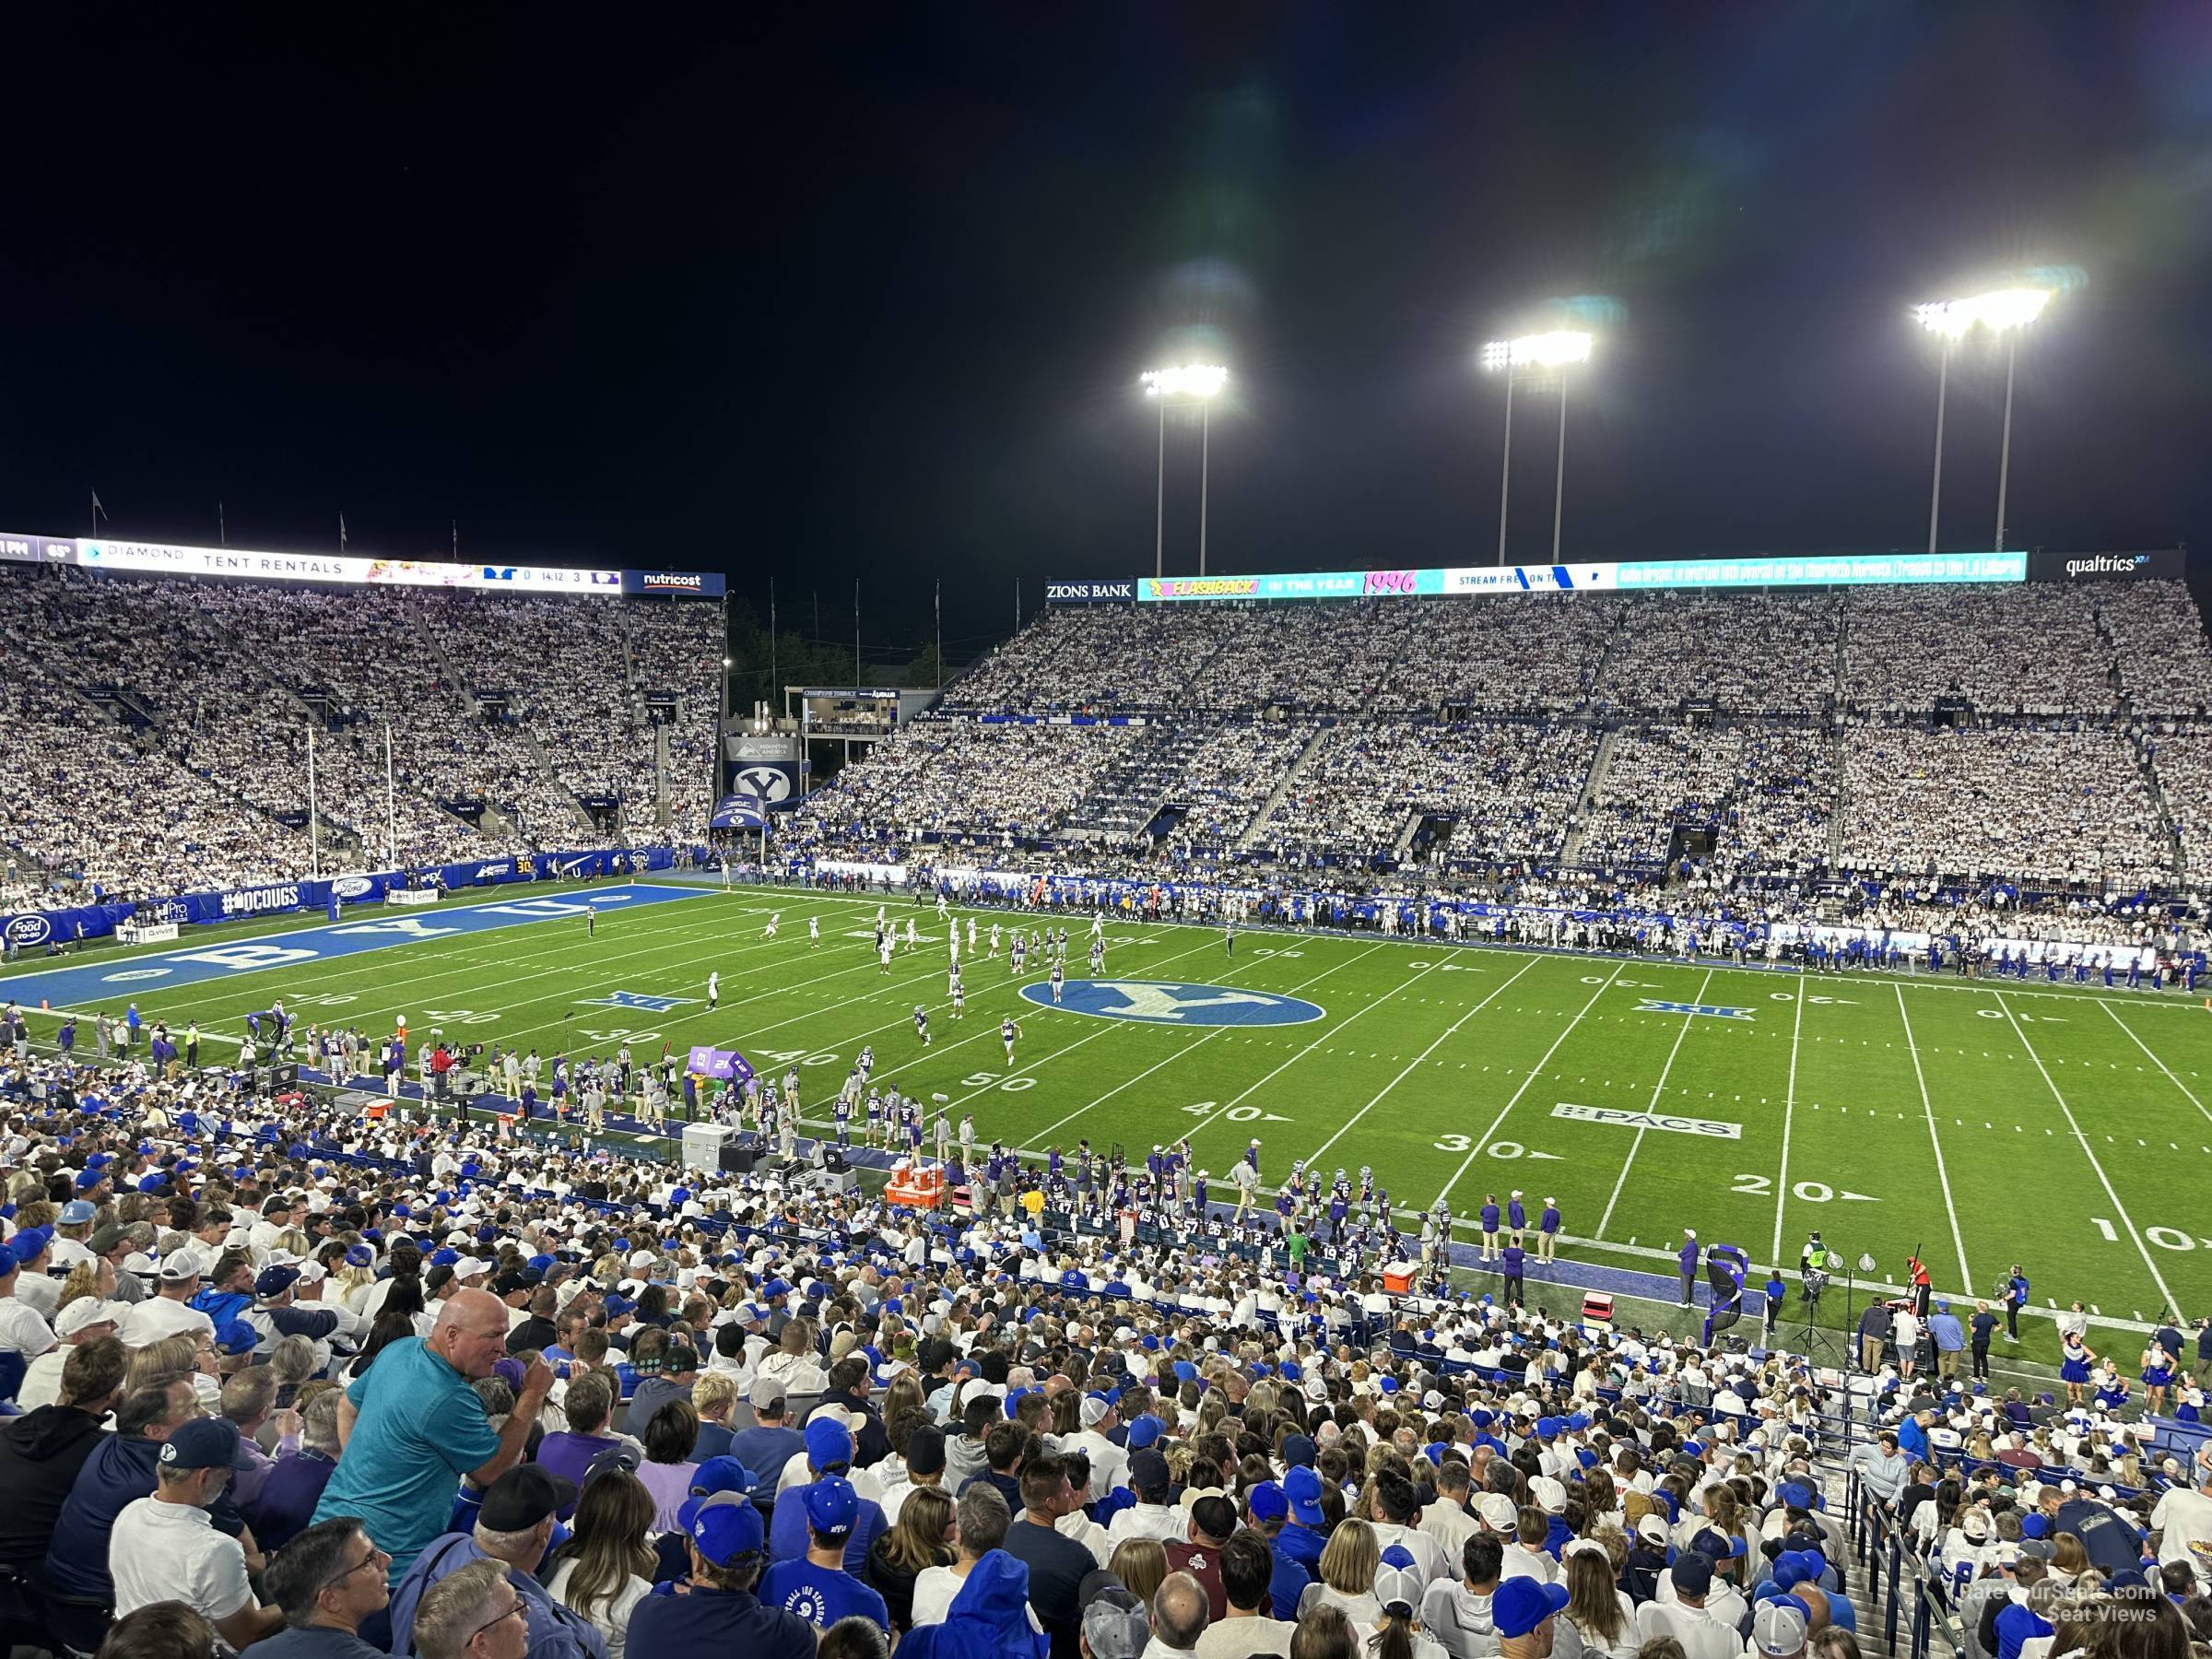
x: 1275, y: 798
x: 1571, y: 850
x: 1129, y: 793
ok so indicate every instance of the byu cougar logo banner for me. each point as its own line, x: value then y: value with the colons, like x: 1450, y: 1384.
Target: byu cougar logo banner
x: 771, y: 783
x: 1169, y: 1002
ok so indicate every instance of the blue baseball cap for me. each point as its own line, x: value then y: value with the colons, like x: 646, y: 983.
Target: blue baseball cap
x: 1302, y: 1491
x: 1298, y: 1450
x: 1266, y: 1502
x: 832, y: 1506
x: 723, y: 1474
x: 1144, y: 1430
x: 828, y: 1443
x: 725, y: 1527
x: 1521, y: 1605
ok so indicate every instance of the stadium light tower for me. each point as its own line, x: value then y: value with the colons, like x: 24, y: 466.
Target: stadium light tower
x: 1200, y: 383
x: 1549, y: 353
x: 2003, y: 312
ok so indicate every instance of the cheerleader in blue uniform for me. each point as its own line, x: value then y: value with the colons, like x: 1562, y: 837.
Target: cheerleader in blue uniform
x: 2189, y: 1400
x: 2112, y: 1388
x: 2074, y: 1367
x: 2158, y: 1377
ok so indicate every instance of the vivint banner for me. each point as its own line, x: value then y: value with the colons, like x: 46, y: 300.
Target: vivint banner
x: 1843, y: 570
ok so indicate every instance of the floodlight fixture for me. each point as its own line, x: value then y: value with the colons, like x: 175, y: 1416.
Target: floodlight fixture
x: 1201, y: 384
x: 1554, y: 350
x: 1189, y: 379
x: 1999, y: 311
x: 2004, y: 312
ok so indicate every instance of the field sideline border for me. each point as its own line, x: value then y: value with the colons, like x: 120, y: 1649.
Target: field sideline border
x: 893, y: 901
x: 895, y: 898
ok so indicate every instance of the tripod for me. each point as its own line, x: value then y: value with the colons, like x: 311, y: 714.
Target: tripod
x: 1816, y: 1340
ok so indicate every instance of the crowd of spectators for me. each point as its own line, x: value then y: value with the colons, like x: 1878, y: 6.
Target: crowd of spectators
x: 1768, y: 792
x: 2182, y: 761
x: 321, y: 1384
x: 158, y: 730
x: 2023, y: 802
x: 2157, y: 639
x: 1537, y: 654
x: 962, y: 779
x: 1090, y: 657
x: 1744, y: 654
x: 2032, y: 650
x: 1505, y: 788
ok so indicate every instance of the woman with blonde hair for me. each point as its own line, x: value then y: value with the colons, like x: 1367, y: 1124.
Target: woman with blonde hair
x: 1347, y: 1581
x: 2069, y: 1559
x: 920, y: 1538
x: 903, y: 1394
x: 95, y: 1277
x: 1140, y: 1563
x: 162, y: 1361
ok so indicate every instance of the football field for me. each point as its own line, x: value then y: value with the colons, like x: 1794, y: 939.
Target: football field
x: 2068, y: 1130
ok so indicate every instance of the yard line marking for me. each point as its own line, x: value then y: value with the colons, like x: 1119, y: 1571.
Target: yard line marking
x: 1315, y: 1155
x: 1214, y: 1117
x: 1935, y: 1139
x: 2119, y: 1209
x: 2156, y: 1061
x: 1629, y: 1162
x: 1113, y: 1025
x: 1789, y: 1110
x: 1534, y: 1073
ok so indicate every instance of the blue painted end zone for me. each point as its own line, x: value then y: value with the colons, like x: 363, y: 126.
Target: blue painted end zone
x: 1172, y: 1002
x: 114, y: 983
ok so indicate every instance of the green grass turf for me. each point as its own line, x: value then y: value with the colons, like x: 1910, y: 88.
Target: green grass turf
x: 2067, y: 1130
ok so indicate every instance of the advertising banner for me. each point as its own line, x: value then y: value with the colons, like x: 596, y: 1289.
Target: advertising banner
x: 1638, y: 575
x: 1113, y: 590
x: 36, y: 549
x: 162, y: 558
x: 31, y: 931
x: 676, y: 584
x: 2162, y: 564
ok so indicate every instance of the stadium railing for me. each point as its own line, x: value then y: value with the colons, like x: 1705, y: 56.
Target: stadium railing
x: 1900, y: 1587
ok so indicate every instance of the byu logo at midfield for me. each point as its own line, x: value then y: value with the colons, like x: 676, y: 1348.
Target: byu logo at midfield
x: 1166, y: 1002
x: 1652, y: 1004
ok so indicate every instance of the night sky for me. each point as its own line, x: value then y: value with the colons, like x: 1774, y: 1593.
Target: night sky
x: 826, y: 292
